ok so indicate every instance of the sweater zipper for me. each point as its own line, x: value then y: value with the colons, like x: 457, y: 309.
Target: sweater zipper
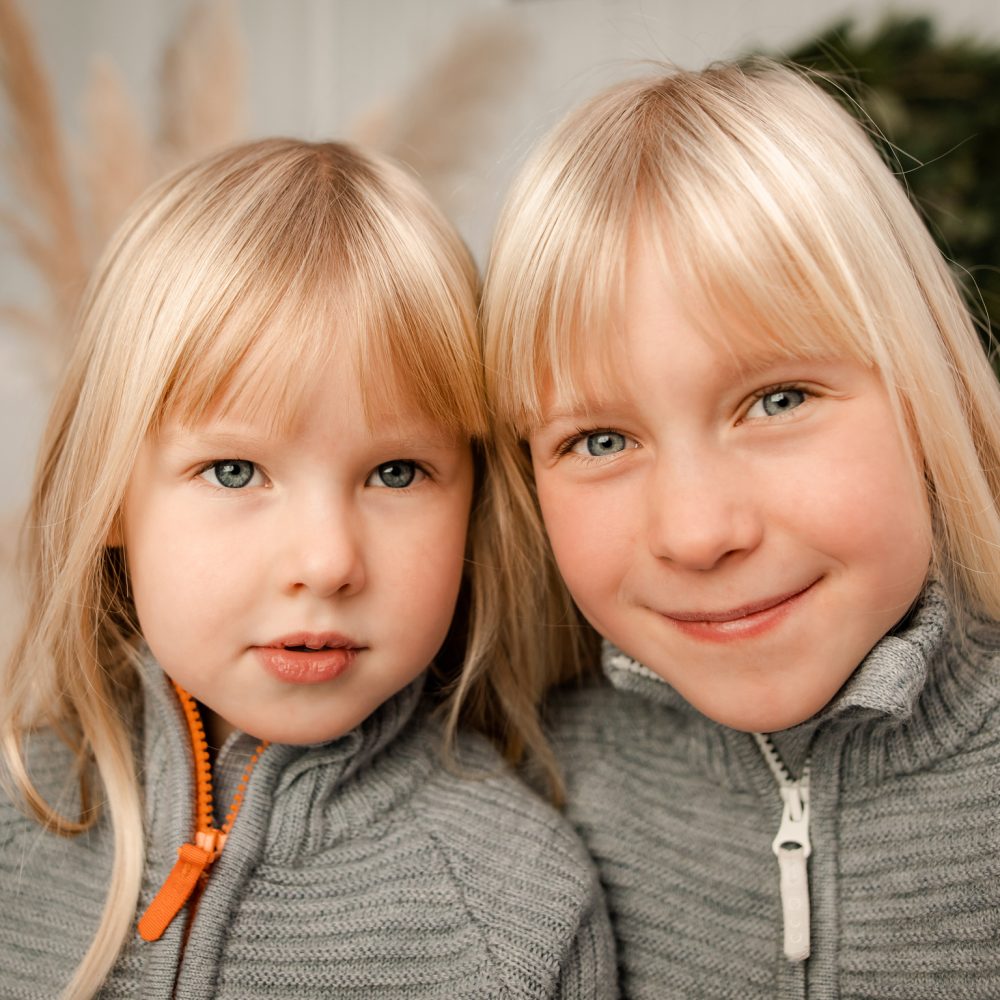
x: 792, y: 849
x: 191, y: 870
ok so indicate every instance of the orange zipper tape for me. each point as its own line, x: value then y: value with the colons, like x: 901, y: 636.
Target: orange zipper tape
x: 194, y: 859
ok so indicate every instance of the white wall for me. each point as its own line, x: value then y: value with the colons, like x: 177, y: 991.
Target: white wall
x: 316, y: 66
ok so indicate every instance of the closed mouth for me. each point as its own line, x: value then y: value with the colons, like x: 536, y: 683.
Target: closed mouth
x: 736, y: 614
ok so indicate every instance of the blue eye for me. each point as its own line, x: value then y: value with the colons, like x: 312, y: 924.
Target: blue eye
x: 232, y: 473
x: 397, y: 475
x: 603, y: 443
x: 771, y: 404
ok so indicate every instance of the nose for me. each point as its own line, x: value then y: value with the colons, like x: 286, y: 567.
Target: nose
x: 324, y: 551
x: 701, y: 512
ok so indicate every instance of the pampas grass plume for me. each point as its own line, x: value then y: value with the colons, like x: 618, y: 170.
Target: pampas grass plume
x: 37, y: 167
x: 116, y: 162
x: 449, y: 117
x: 203, y: 84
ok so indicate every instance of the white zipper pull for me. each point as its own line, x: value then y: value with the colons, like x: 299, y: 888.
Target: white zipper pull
x: 792, y: 848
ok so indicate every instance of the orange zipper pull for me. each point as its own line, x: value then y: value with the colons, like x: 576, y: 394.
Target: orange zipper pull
x: 192, y: 863
x: 194, y: 859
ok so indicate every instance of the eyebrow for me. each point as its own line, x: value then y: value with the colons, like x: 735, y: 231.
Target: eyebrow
x: 584, y: 410
x: 761, y: 359
x: 219, y: 440
x: 432, y: 441
x: 185, y: 436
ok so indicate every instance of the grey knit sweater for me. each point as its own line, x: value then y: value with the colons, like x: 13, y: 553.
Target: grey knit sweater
x: 356, y: 869
x: 680, y: 814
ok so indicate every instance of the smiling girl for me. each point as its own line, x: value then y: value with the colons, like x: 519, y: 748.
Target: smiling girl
x: 765, y: 443
x: 248, y: 537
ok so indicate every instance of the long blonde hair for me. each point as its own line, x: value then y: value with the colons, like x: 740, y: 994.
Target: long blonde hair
x: 225, y: 283
x: 776, y: 220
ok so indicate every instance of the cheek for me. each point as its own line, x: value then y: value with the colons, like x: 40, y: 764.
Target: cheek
x: 430, y: 559
x: 564, y: 521
x: 183, y: 581
x: 588, y: 531
x: 436, y: 581
x: 871, y: 511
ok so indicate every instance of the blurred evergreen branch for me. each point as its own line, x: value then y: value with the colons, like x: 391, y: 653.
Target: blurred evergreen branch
x: 937, y: 103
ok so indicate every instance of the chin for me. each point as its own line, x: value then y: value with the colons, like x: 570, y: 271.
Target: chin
x: 764, y: 717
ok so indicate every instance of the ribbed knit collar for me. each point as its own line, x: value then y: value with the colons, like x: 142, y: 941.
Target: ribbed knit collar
x: 915, y: 696
x: 357, y: 747
x: 169, y: 761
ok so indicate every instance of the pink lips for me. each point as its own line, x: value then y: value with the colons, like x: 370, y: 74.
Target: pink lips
x: 737, y: 623
x: 308, y: 657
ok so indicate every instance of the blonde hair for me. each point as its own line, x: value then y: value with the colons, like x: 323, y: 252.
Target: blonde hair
x: 227, y: 285
x: 776, y: 220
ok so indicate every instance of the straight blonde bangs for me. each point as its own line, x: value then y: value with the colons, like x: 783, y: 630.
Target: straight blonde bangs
x: 557, y: 266
x: 779, y: 226
x: 720, y: 170
x: 345, y: 258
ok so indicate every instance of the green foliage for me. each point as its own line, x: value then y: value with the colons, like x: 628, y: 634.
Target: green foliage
x: 937, y: 103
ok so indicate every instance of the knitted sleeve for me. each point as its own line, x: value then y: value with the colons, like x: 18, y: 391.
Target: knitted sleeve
x: 526, y: 884
x: 589, y: 967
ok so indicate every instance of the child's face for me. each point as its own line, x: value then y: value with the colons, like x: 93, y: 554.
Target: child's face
x: 746, y: 527
x: 332, y: 534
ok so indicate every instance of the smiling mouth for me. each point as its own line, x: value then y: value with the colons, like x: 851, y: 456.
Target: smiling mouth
x: 738, y: 623
x: 736, y: 613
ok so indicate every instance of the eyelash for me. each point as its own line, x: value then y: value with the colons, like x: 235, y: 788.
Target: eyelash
x: 421, y: 471
x: 771, y: 390
x: 205, y: 466
x: 566, y: 446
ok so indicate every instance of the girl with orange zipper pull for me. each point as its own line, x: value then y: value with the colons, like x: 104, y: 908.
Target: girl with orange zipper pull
x: 224, y: 775
x: 765, y: 441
